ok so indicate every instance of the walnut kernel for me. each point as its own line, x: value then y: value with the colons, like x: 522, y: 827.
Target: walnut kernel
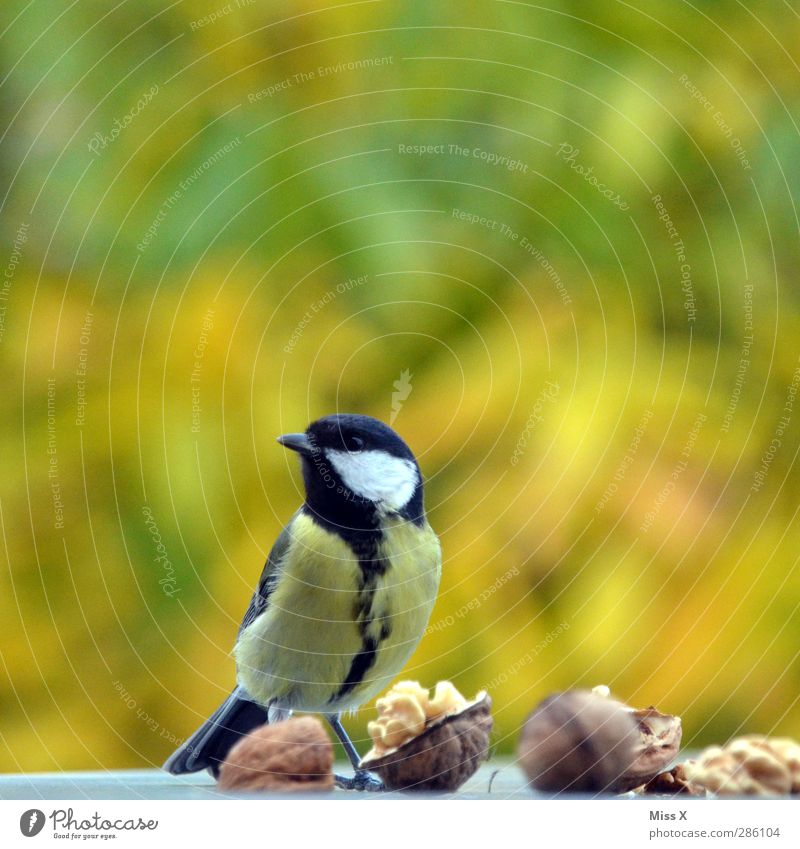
x: 406, y: 709
x: 748, y: 766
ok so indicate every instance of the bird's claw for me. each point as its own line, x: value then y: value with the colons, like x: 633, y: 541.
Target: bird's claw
x: 361, y: 781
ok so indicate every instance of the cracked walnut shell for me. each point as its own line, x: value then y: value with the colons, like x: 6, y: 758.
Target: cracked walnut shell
x: 421, y: 743
x: 659, y: 741
x: 658, y: 744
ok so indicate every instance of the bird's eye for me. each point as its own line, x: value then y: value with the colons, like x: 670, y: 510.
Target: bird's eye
x: 354, y: 443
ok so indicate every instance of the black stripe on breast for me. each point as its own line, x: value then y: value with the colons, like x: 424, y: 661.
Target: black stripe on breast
x: 372, y: 569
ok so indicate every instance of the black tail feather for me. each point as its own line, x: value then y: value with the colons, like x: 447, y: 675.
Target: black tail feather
x: 208, y: 746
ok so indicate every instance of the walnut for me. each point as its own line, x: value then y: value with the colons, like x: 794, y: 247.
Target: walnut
x: 659, y: 740
x: 748, y: 766
x: 672, y: 783
x: 421, y: 743
x: 578, y: 741
x: 295, y: 755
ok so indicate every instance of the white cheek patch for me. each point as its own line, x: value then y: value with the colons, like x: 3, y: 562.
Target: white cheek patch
x: 377, y: 476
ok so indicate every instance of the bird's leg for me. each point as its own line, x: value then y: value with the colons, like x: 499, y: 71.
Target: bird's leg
x: 362, y: 780
x: 335, y: 721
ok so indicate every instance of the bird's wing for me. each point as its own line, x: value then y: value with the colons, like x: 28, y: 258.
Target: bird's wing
x: 266, y: 583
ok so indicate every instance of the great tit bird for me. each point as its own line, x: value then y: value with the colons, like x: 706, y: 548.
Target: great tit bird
x: 344, y: 597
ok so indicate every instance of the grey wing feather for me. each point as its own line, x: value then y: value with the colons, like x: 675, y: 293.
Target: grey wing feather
x: 238, y: 714
x: 269, y: 576
x: 209, y: 745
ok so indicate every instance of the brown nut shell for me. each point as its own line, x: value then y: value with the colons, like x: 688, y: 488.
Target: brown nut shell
x: 659, y: 741
x: 578, y: 742
x: 441, y: 758
x: 291, y: 756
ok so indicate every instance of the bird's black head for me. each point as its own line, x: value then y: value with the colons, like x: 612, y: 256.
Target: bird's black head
x: 357, y: 469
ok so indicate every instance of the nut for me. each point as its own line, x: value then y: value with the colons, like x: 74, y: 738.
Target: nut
x: 578, y: 741
x: 672, y: 783
x: 748, y: 766
x: 295, y: 755
x: 659, y: 741
x: 428, y: 744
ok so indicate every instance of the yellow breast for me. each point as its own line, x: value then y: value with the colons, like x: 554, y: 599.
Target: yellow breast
x: 338, y: 630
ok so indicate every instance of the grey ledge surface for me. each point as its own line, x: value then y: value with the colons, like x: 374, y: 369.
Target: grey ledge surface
x: 504, y: 777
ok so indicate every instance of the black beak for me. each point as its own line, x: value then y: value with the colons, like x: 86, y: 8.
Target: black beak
x: 297, y: 442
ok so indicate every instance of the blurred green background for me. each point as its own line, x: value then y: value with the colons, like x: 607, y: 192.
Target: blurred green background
x: 579, y: 304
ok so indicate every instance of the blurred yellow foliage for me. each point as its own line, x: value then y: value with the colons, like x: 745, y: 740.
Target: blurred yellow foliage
x: 253, y: 250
